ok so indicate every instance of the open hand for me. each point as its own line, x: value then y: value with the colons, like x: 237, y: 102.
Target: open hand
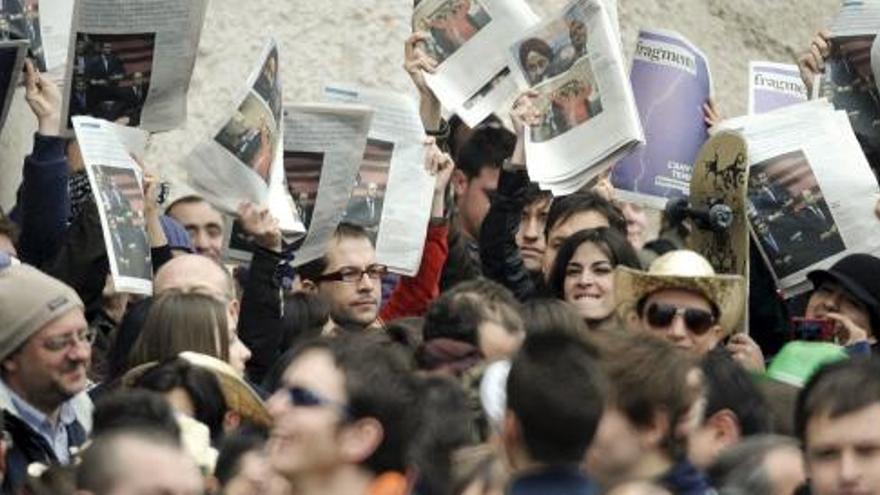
x: 261, y: 225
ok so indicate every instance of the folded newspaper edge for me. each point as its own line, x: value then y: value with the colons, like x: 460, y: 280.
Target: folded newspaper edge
x: 20, y: 47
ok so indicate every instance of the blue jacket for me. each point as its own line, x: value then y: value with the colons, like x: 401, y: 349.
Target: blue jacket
x: 554, y: 480
x: 43, y: 202
x: 685, y: 479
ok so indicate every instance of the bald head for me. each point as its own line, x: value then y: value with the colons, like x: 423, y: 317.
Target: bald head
x: 192, y: 271
x: 638, y: 488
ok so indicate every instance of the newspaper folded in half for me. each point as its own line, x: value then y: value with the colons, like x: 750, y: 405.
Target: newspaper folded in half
x: 671, y: 81
x: 574, y: 61
x: 773, y: 86
x: 464, y: 39
x: 242, y: 162
x: 116, y: 183
x: 394, y: 192
x: 811, y: 190
x: 45, y: 24
x: 323, y: 149
x: 12, y: 55
x: 131, y: 61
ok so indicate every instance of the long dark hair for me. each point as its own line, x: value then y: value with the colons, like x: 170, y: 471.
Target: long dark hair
x: 608, y: 240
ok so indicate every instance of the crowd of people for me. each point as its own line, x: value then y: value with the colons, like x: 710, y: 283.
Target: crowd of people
x: 547, y: 345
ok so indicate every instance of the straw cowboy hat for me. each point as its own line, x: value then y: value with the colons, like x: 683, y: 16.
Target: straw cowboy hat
x: 684, y: 270
x: 238, y: 395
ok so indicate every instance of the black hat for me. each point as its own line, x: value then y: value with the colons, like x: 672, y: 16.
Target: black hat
x: 858, y: 274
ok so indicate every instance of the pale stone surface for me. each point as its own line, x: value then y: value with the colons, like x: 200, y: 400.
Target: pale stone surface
x: 362, y: 41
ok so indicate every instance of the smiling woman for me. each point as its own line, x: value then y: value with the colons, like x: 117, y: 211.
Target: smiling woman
x: 583, y: 274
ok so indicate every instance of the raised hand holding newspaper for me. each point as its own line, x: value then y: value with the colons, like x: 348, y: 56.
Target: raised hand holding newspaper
x: 242, y: 163
x: 132, y: 60
x: 393, y: 193
x: 463, y: 36
x: 323, y: 149
x: 573, y: 60
x: 773, y: 86
x: 671, y: 81
x: 115, y: 179
x: 811, y: 191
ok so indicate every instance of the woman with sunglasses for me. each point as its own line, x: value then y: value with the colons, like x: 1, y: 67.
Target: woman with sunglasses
x: 583, y: 274
x: 682, y: 298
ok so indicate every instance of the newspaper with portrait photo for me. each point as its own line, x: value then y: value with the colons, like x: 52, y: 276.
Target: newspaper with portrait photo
x: 573, y: 61
x: 242, y: 162
x: 131, y: 61
x: 115, y: 179
x: 806, y: 170
x: 323, y: 151
x: 393, y: 193
x: 463, y: 37
x: 773, y: 85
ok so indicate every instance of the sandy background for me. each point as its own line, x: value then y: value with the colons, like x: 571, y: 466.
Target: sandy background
x: 362, y: 41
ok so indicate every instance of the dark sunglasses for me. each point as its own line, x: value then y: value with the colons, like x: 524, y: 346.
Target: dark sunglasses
x: 697, y: 321
x: 303, y: 397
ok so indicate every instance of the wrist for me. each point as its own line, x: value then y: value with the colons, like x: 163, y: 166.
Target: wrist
x: 49, y: 125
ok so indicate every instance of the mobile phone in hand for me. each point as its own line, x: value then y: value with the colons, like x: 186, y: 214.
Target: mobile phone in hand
x: 813, y: 329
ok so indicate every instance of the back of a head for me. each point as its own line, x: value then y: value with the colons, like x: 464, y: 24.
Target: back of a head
x: 458, y: 313
x: 378, y: 385
x: 729, y: 386
x: 488, y: 146
x: 565, y: 207
x: 194, y: 272
x: 182, y: 321
x: 648, y: 374
x: 838, y: 389
x: 551, y: 315
x: 127, y: 409
x: 557, y: 392
x: 741, y: 469
x: 305, y: 315
x: 233, y: 448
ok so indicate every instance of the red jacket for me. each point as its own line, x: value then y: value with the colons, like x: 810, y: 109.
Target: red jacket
x: 412, y: 295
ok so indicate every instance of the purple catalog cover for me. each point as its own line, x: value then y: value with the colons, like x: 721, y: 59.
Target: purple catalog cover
x: 671, y: 82
x: 773, y: 86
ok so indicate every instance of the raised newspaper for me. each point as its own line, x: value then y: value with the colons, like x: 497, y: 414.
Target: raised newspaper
x: 671, y: 81
x: 131, y: 61
x: 472, y: 77
x: 12, y: 54
x: 45, y: 24
x: 811, y: 190
x: 243, y: 161
x: 773, y: 85
x: 394, y: 192
x: 323, y: 149
x: 574, y: 61
x: 115, y: 179
x: 848, y: 81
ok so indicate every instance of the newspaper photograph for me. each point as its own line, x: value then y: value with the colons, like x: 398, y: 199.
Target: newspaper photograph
x: 496, y: 96
x: 243, y: 161
x: 45, y: 24
x: 671, y: 81
x: 392, y: 185
x: 590, y: 115
x: 806, y: 168
x: 848, y: 82
x: 323, y: 150
x: 464, y: 37
x: 131, y: 61
x: 773, y: 86
x: 115, y: 179
x: 12, y: 55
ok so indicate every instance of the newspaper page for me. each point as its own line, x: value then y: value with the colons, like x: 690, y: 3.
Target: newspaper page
x: 856, y: 18
x: 12, y: 54
x: 811, y: 191
x: 464, y: 39
x: 45, y: 24
x: 242, y: 162
x: 116, y: 184
x: 671, y: 80
x: 773, y: 85
x: 392, y: 176
x: 132, y: 60
x: 573, y: 60
x: 323, y: 149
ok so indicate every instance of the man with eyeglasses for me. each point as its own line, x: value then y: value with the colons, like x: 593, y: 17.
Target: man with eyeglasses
x: 340, y: 417
x: 45, y: 350
x: 681, y: 298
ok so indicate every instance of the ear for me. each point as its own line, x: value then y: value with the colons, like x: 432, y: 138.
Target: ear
x: 359, y: 440
x: 459, y: 182
x: 233, y: 309
x: 231, y: 421
x: 725, y: 427
x: 717, y: 334
x: 309, y: 286
x: 10, y: 365
x: 653, y: 435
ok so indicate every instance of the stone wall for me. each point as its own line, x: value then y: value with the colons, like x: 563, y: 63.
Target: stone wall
x: 362, y: 41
